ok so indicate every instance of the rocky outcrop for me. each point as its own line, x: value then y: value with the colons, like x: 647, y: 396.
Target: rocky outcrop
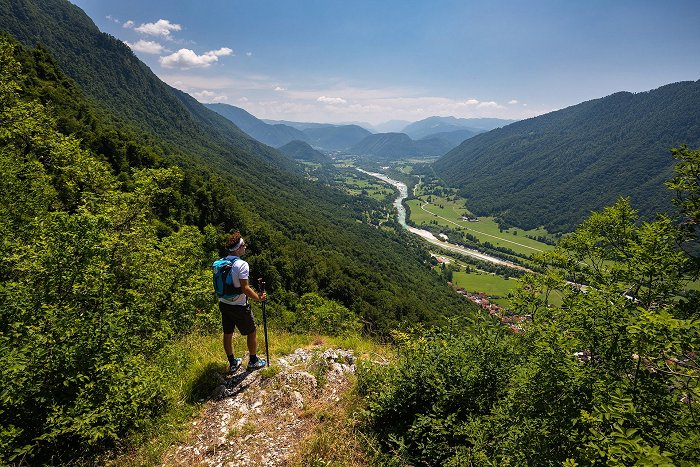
x: 259, y: 418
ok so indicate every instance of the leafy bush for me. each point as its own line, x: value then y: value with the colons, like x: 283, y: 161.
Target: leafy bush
x: 425, y: 408
x: 89, y: 292
x: 317, y: 314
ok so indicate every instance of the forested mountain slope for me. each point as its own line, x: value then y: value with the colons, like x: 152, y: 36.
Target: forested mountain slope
x: 307, y: 237
x: 399, y: 145
x: 455, y: 137
x: 301, y: 150
x: 554, y: 169
x: 108, y: 72
x: 273, y: 135
x: 335, y: 137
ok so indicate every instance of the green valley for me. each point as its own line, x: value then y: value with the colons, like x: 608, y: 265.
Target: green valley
x: 537, y: 303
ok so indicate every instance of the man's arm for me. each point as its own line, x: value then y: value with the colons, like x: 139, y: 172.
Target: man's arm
x: 250, y: 293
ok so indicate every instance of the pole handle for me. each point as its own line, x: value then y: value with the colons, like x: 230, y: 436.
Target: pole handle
x: 261, y: 285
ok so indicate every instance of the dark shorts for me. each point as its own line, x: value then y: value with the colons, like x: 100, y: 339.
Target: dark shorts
x: 238, y: 316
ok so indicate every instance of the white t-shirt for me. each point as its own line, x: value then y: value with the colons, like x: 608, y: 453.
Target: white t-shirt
x: 239, y: 270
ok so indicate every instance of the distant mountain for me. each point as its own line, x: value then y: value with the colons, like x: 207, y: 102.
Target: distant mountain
x: 273, y: 135
x: 554, y: 169
x: 298, y: 125
x: 335, y: 138
x: 433, y: 125
x: 392, y: 126
x: 399, y: 145
x: 302, y: 151
x: 456, y: 137
x: 326, y: 135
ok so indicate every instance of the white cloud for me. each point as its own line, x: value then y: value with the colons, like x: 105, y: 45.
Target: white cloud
x: 128, y: 25
x: 162, y: 27
x: 112, y: 18
x: 332, y: 100
x: 488, y: 105
x: 243, y: 99
x: 249, y: 54
x: 209, y: 96
x: 204, y: 94
x: 513, y: 102
x: 147, y: 47
x: 185, y: 59
x: 472, y: 102
x: 280, y: 88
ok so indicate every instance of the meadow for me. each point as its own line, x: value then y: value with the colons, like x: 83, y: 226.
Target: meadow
x: 448, y: 212
x: 358, y: 185
x: 496, y: 287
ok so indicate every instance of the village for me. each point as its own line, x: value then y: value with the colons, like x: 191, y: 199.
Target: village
x: 504, y: 315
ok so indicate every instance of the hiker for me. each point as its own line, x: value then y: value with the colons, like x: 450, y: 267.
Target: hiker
x: 236, y: 312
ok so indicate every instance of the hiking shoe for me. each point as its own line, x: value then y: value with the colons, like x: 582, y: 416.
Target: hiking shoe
x: 235, y: 365
x: 257, y: 365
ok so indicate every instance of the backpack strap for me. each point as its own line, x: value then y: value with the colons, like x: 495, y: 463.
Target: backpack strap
x: 233, y: 260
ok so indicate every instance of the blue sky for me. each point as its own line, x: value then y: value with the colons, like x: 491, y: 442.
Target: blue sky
x: 380, y: 60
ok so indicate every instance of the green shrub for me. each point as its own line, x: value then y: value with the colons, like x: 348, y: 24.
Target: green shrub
x: 424, y: 406
x: 316, y: 314
x: 89, y: 291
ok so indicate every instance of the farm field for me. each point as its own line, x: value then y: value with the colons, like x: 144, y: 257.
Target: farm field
x: 449, y: 213
x: 496, y: 287
x: 356, y: 186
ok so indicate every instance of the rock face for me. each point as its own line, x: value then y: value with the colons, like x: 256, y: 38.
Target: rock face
x: 254, y: 419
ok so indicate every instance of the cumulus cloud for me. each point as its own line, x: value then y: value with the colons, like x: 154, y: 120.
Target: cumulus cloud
x: 472, y: 102
x: 128, y: 25
x: 162, y: 27
x: 488, y: 105
x: 513, y: 102
x: 209, y: 96
x: 332, y: 100
x: 148, y: 47
x: 280, y: 88
x: 185, y: 59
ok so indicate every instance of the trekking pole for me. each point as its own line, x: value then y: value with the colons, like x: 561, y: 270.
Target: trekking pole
x: 261, y: 289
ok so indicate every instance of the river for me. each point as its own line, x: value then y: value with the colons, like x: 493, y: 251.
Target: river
x: 428, y: 236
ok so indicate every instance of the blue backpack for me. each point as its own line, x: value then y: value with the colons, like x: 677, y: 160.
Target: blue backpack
x: 223, y: 280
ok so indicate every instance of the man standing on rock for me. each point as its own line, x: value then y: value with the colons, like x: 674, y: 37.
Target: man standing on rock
x: 236, y: 311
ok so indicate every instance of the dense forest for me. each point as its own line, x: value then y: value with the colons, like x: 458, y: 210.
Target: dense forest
x: 553, y: 170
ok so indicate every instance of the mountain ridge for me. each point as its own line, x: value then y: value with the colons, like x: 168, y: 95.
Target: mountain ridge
x: 436, y: 124
x: 552, y: 170
x: 399, y: 145
x: 303, y: 151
